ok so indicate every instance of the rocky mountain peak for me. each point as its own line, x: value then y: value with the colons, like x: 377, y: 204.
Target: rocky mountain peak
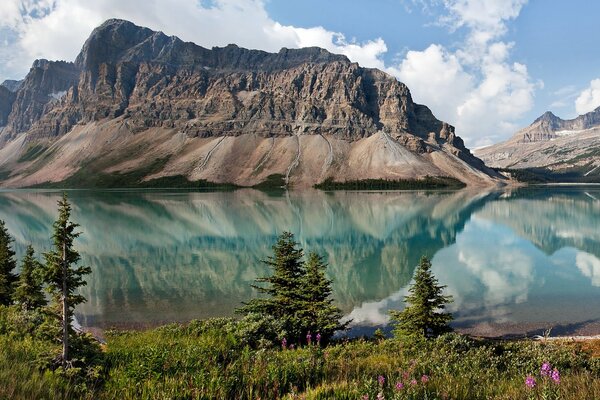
x: 548, y: 117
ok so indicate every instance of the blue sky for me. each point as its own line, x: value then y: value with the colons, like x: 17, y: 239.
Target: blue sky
x: 489, y: 67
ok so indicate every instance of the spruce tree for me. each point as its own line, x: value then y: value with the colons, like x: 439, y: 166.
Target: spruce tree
x: 283, y: 298
x: 62, y: 275
x: 424, y: 314
x: 319, y: 315
x: 7, y: 265
x: 29, y: 292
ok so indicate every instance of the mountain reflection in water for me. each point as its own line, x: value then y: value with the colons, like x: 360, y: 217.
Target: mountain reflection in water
x: 525, y: 256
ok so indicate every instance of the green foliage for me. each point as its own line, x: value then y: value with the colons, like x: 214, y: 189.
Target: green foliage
x: 297, y: 295
x: 283, y: 298
x: 272, y: 182
x: 7, y: 265
x: 29, y: 291
x: 423, y: 315
x: 208, y: 360
x: 319, y: 315
x: 62, y: 275
x: 428, y: 182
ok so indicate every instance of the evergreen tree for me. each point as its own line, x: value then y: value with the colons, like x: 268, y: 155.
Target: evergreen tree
x: 319, y: 315
x: 62, y: 274
x: 283, y: 292
x: 7, y: 265
x: 29, y: 291
x: 424, y: 313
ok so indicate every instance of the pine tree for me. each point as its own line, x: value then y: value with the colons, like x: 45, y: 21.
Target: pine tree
x: 283, y: 293
x: 62, y: 274
x: 424, y: 314
x: 7, y: 265
x: 29, y: 293
x: 319, y: 315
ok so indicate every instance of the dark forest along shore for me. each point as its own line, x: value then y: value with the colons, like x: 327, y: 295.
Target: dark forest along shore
x: 515, y: 262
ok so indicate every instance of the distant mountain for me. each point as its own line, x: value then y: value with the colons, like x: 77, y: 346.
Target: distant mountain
x: 137, y: 105
x: 12, y: 85
x: 567, y: 147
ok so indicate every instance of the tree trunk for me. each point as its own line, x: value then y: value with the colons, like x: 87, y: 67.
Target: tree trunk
x: 65, y: 318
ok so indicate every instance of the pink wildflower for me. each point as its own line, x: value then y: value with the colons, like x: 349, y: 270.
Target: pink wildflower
x: 530, y: 382
x: 546, y: 368
x: 555, y: 376
x: 399, y: 385
x: 413, y: 382
x: 381, y: 380
x: 424, y: 379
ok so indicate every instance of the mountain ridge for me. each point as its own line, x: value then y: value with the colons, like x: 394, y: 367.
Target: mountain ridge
x: 129, y: 80
x: 569, y: 146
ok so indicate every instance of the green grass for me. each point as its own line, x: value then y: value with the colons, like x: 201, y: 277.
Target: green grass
x: 210, y: 360
x: 384, y: 184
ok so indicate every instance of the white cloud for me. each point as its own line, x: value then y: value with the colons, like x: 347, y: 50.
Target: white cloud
x: 589, y: 266
x: 589, y: 99
x: 474, y: 87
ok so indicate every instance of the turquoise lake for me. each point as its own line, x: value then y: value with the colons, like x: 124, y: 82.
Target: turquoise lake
x: 517, y: 261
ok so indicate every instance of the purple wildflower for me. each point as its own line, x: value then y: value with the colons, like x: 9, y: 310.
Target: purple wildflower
x: 284, y: 343
x: 555, y: 376
x: 424, y: 379
x: 405, y: 375
x: 530, y: 382
x: 308, y: 338
x: 318, y: 338
x: 413, y: 382
x: 546, y: 369
x: 381, y: 380
x: 399, y: 385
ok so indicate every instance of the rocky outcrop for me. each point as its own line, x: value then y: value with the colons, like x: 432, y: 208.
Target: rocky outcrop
x: 553, y: 143
x: 45, y: 85
x: 144, y: 80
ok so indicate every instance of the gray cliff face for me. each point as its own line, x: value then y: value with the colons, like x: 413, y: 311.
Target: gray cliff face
x: 158, y: 81
x: 46, y: 83
x: 7, y: 99
x: 148, y: 80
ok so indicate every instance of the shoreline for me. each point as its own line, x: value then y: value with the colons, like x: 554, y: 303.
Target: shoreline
x: 487, y: 331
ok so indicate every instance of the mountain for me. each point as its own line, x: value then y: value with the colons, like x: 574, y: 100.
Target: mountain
x: 137, y: 105
x: 11, y: 85
x: 566, y: 147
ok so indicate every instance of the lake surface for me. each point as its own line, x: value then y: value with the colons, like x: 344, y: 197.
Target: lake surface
x: 516, y: 261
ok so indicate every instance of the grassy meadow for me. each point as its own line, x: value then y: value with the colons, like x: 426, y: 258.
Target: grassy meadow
x: 213, y: 360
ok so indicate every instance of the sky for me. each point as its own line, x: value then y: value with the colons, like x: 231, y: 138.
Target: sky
x: 488, y: 67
